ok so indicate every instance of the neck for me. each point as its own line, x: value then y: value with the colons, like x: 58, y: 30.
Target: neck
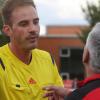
x: 89, y: 71
x: 23, y: 55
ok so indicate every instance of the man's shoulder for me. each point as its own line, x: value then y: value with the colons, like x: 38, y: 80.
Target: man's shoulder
x: 2, y: 56
x: 40, y: 52
x: 86, y: 90
x: 4, y: 46
x: 93, y: 95
x: 3, y: 49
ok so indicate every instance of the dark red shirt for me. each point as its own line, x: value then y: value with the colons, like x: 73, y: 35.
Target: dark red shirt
x: 94, y: 94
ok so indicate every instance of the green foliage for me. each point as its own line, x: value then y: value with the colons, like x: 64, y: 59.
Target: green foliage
x: 84, y: 34
x: 3, y: 39
x: 92, y: 15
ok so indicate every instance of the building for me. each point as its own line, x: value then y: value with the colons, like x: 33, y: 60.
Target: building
x: 65, y: 46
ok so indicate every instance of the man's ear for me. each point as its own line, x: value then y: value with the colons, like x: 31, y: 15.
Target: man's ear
x: 6, y: 30
x: 86, y: 56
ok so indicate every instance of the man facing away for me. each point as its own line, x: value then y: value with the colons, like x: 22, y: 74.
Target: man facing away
x: 89, y: 89
x: 24, y: 70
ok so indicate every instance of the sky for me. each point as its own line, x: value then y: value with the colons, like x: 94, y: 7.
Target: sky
x: 61, y: 12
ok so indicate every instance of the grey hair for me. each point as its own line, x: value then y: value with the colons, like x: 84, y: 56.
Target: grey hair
x: 93, y: 45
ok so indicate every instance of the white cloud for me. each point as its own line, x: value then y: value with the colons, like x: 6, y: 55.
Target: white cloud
x: 61, y: 11
x: 45, y: 2
x: 65, y: 8
x: 70, y: 9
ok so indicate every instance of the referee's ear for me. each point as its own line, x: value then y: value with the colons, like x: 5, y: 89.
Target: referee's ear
x: 7, y: 30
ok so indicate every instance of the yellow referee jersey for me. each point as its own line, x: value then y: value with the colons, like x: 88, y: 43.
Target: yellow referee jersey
x: 19, y: 81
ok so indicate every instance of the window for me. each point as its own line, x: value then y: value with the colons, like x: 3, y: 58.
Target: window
x: 71, y: 62
x: 64, y: 52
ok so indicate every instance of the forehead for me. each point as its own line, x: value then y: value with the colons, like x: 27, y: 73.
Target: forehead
x: 24, y: 13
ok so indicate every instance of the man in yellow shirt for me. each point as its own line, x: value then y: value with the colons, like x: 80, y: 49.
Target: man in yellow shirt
x: 24, y: 70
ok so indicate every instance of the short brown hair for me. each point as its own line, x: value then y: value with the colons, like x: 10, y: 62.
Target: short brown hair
x: 10, y: 5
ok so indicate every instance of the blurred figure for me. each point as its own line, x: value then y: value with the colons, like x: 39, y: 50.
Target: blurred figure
x: 88, y: 89
x: 24, y: 70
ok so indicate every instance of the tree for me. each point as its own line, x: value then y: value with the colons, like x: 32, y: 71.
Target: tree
x: 92, y: 15
x: 3, y: 38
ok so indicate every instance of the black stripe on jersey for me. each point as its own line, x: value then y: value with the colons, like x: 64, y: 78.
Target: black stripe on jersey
x: 2, y: 64
x: 52, y: 59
